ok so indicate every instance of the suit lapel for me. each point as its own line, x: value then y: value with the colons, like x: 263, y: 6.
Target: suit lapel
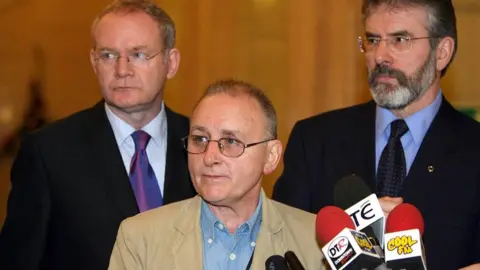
x: 362, y: 151
x: 270, y: 236
x: 106, y: 161
x: 177, y: 179
x: 438, y: 146
x: 188, y: 250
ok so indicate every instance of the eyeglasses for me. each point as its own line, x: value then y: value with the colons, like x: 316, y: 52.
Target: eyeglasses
x: 138, y: 59
x: 396, y: 44
x: 195, y: 144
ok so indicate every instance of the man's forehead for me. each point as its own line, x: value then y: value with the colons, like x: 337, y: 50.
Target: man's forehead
x: 126, y: 31
x: 224, y: 114
x: 126, y: 20
x: 387, y: 19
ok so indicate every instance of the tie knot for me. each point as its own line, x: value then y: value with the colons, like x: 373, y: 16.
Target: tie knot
x: 140, y: 138
x: 398, y: 128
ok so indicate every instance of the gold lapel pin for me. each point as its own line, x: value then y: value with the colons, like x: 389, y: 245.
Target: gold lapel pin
x: 430, y: 168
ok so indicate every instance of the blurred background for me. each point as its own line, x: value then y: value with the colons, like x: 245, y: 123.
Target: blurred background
x: 303, y: 53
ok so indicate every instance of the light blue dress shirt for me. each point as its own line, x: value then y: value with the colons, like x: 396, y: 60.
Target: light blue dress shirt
x: 418, y: 124
x: 156, y: 148
x: 223, y: 250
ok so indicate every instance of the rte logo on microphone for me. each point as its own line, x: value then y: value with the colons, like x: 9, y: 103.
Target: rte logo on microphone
x: 365, y: 212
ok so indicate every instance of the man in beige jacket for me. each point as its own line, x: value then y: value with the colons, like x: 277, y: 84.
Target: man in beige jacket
x: 231, y: 224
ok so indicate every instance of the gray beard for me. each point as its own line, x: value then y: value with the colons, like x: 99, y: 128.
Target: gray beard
x: 409, y: 89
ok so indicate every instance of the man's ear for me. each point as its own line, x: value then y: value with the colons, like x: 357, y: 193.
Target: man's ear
x: 444, y: 52
x: 173, y: 61
x: 274, y: 156
x: 93, y: 62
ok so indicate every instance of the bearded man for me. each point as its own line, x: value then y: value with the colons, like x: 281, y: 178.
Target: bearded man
x: 408, y: 144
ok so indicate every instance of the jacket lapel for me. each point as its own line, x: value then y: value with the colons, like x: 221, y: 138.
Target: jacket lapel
x: 438, y: 147
x: 177, y: 178
x: 187, y: 252
x: 106, y: 162
x: 362, y: 151
x: 270, y: 236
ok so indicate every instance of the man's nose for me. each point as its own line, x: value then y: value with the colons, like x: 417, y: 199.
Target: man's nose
x: 212, y: 153
x: 123, y: 67
x: 382, y: 53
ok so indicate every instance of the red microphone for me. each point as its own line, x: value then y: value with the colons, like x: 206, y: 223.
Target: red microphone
x: 403, y: 238
x: 330, y: 221
x: 405, y: 217
x: 343, y: 247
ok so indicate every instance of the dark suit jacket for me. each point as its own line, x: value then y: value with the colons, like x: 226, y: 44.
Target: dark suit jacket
x: 70, y: 191
x: 324, y: 148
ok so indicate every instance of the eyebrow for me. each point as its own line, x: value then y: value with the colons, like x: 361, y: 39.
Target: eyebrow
x: 136, y: 48
x: 393, y: 34
x: 224, y: 132
x: 198, y: 128
x: 230, y: 133
x: 105, y: 49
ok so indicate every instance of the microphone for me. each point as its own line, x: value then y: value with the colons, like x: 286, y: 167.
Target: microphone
x: 344, y: 248
x: 352, y: 194
x: 292, y: 261
x: 276, y: 262
x: 404, y: 247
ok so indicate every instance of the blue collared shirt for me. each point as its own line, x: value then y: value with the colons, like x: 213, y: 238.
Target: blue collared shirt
x: 418, y: 124
x: 223, y: 250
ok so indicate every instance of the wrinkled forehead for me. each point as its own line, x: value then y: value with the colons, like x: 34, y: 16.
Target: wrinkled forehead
x: 121, y: 29
x: 387, y: 19
x: 224, y: 115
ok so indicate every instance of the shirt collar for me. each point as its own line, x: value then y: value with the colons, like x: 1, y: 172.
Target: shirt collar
x: 157, y: 128
x: 418, y: 123
x: 209, y: 221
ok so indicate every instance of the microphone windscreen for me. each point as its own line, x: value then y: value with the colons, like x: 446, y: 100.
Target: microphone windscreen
x: 293, y: 261
x: 404, y: 217
x: 276, y: 262
x: 349, y: 190
x: 330, y: 221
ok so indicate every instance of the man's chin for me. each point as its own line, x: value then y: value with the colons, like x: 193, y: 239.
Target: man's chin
x: 383, y: 87
x: 127, y: 105
x: 218, y: 201
x: 212, y: 194
x: 391, y: 98
x: 389, y: 103
x: 394, y: 107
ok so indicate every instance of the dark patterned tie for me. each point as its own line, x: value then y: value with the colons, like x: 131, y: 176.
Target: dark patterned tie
x: 392, y: 167
x: 142, y: 178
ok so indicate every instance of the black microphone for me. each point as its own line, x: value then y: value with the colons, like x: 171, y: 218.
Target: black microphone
x: 276, y: 262
x: 347, y: 192
x: 292, y: 261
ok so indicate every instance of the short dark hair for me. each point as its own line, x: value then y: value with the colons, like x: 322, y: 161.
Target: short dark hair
x: 164, y: 21
x: 442, y: 21
x: 237, y: 88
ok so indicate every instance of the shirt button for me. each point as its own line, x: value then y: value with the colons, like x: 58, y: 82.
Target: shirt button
x: 232, y: 256
x: 252, y: 244
x: 210, y: 240
x: 220, y: 226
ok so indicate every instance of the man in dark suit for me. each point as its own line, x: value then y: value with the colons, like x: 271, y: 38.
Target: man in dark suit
x: 75, y: 180
x: 409, y: 144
